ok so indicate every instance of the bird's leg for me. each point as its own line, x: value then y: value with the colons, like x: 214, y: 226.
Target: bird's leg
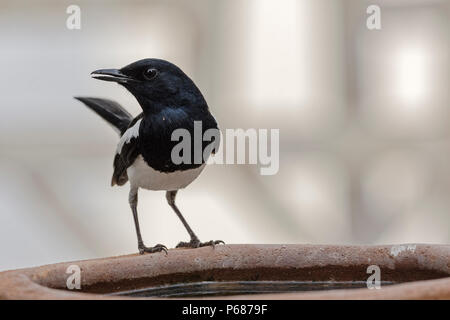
x: 133, y: 199
x: 195, y: 242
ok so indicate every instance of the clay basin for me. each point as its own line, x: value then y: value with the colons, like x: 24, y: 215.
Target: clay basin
x: 410, y: 271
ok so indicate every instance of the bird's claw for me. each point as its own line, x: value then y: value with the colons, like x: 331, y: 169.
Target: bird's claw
x: 157, y: 248
x: 197, y: 244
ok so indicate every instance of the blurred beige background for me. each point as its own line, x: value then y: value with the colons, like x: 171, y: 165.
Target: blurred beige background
x: 364, y: 121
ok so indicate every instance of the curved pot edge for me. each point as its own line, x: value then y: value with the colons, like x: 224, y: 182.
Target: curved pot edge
x: 27, y: 283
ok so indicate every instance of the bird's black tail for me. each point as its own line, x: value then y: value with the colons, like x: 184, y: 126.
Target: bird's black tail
x: 109, y: 110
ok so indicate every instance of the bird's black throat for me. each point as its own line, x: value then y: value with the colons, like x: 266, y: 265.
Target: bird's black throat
x: 155, y: 134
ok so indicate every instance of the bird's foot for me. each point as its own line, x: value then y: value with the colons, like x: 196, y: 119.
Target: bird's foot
x: 195, y: 243
x: 157, y: 248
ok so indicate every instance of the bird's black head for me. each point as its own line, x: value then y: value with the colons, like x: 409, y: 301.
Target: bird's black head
x: 156, y: 84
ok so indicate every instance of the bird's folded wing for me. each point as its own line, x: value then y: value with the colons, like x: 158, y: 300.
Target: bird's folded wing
x: 127, y: 152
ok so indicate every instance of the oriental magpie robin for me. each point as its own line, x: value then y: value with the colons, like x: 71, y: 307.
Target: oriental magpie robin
x: 169, y: 100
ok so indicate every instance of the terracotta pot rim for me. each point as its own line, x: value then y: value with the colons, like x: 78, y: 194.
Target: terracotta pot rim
x: 404, y: 263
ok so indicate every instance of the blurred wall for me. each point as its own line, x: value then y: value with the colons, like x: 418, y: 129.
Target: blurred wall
x: 363, y: 118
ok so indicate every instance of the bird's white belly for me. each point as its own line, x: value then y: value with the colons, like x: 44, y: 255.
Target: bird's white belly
x: 141, y: 175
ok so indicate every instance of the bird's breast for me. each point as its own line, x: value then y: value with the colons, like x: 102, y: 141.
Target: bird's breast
x: 141, y: 175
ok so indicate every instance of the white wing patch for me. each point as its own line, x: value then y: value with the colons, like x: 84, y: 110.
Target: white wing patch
x: 131, y: 133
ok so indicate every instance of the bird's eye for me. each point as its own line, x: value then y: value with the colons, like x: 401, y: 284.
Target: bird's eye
x: 150, y: 73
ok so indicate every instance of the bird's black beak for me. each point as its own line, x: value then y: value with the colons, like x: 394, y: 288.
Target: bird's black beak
x: 111, y: 75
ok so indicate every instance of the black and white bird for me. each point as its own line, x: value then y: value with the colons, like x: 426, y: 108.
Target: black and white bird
x: 169, y: 100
